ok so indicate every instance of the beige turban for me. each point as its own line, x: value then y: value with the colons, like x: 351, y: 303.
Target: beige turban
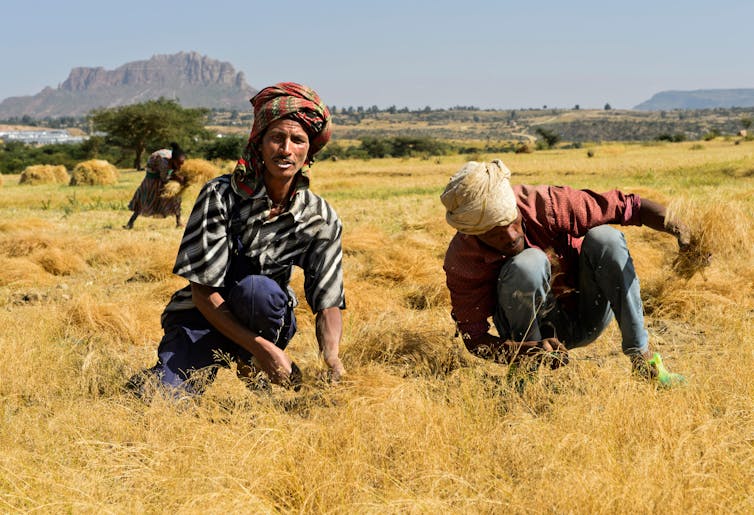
x: 479, y: 197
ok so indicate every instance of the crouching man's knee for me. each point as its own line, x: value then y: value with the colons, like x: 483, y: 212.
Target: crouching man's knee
x: 526, y: 272
x: 260, y: 304
x: 605, y: 242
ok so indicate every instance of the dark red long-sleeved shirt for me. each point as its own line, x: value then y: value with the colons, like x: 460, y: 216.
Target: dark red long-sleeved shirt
x: 555, y: 219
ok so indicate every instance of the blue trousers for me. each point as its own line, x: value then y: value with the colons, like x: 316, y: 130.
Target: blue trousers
x: 192, y: 350
x: 608, y: 286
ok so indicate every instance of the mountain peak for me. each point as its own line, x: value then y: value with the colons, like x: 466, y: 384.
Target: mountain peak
x: 193, y: 79
x: 698, y: 99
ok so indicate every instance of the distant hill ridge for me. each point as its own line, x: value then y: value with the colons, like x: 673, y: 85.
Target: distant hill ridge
x: 698, y: 99
x: 194, y: 80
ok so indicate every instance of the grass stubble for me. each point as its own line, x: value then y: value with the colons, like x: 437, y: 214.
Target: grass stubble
x: 419, y: 425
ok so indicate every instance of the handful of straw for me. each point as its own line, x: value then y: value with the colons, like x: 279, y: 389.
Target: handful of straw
x: 694, y: 257
x: 171, y: 189
x: 712, y: 230
x: 193, y: 172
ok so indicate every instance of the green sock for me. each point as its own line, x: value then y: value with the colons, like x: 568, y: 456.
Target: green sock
x: 664, y: 377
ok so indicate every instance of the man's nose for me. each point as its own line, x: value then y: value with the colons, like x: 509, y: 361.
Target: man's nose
x: 285, y: 146
x: 514, y: 233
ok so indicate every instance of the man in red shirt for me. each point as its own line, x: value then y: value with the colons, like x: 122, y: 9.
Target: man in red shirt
x: 543, y: 262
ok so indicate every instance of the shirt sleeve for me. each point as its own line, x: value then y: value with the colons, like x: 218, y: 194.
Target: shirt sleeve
x: 471, y: 283
x: 204, y: 254
x: 577, y: 211
x: 323, y: 267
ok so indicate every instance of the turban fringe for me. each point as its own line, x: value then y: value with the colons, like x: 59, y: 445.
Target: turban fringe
x: 283, y: 100
x: 479, y: 197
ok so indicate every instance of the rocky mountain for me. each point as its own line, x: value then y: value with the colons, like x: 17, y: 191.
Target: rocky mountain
x: 194, y: 80
x: 698, y: 99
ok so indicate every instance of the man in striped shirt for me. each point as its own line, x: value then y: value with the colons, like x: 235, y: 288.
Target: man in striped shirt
x: 245, y: 233
x: 543, y: 262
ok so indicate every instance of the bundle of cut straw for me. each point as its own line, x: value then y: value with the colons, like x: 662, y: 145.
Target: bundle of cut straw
x: 193, y: 172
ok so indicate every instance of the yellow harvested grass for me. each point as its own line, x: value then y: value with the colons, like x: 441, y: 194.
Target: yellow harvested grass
x: 196, y: 172
x: 199, y: 171
x: 92, y: 317
x: 57, y: 261
x: 718, y: 227
x: 95, y: 172
x: 26, y: 224
x: 418, y: 425
x: 22, y: 272
x: 44, y: 174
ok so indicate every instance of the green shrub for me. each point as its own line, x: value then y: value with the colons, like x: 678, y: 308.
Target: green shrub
x: 227, y: 147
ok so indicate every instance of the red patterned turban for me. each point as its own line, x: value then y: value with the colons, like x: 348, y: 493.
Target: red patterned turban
x: 283, y: 100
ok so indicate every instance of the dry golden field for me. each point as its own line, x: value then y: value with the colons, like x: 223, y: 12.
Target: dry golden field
x: 418, y: 425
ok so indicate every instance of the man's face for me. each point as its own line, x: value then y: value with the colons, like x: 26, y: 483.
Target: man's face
x: 508, y: 239
x: 285, y: 146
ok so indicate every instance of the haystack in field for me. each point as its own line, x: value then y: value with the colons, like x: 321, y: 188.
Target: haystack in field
x: 95, y: 172
x: 44, y: 174
x: 195, y: 172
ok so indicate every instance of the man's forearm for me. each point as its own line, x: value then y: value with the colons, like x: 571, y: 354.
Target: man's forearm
x: 329, y: 328
x: 654, y: 215
x: 212, y: 305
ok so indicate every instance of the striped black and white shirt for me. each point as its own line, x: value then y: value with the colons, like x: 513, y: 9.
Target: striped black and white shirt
x: 307, y: 235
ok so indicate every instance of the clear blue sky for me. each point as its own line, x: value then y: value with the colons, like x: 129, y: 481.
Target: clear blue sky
x: 500, y: 54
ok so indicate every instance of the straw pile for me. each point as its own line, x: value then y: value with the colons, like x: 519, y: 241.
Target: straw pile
x: 195, y: 172
x: 44, y: 174
x: 95, y: 172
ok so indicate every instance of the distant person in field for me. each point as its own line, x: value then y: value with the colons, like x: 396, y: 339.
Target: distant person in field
x: 245, y: 233
x: 543, y: 262
x: 148, y: 200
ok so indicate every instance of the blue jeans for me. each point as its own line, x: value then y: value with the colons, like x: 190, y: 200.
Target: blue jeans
x: 608, y: 286
x: 191, y: 351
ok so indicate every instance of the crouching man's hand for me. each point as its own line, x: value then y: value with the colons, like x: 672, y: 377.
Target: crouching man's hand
x: 552, y: 352
x: 549, y: 351
x: 337, y: 370
x: 275, y: 363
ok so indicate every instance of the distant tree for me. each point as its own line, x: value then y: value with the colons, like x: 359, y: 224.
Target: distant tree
x: 576, y: 107
x: 549, y: 138
x: 149, y: 125
x: 227, y: 147
x: 746, y: 122
x: 608, y: 107
x: 675, y: 138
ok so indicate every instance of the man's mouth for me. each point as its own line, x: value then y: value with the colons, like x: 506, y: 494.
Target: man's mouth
x: 282, y: 163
